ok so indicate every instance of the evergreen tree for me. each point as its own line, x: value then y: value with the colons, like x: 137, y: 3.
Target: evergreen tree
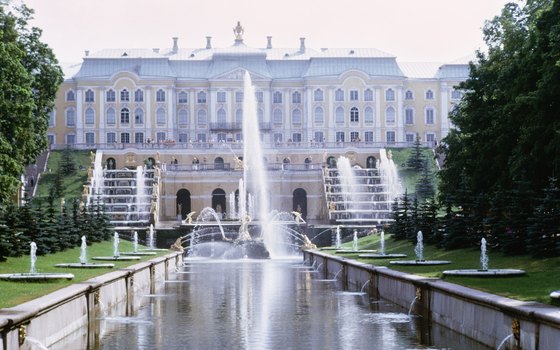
x: 67, y: 165
x: 15, y: 240
x: 425, y: 187
x: 428, y: 220
x: 416, y: 160
x: 57, y: 189
x: 543, y: 238
x: 414, y: 220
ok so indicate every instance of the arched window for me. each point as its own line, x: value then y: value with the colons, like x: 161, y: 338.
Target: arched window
x: 409, y: 116
x: 408, y: 95
x: 201, y: 97
x: 160, y: 96
x: 138, y: 96
x: 182, y: 97
x: 221, y: 116
x: 70, y: 117
x: 110, y: 95
x: 182, y: 117
x: 354, y: 115
x: 368, y: 95
x: 390, y: 115
x: 277, y: 97
x: 318, y: 95
x: 239, y: 116
x: 339, y: 115
x: 90, y: 116
x: 201, y: 117
x: 90, y: 96
x: 139, y: 116
x: 125, y: 116
x: 125, y: 95
x: 277, y: 116
x: 111, y: 116
x: 70, y: 96
x: 319, y: 115
x: 339, y: 95
x: 296, y: 97
x: 368, y: 115
x: 429, y: 95
x: 389, y: 95
x: 430, y: 116
x: 296, y: 117
x: 160, y: 116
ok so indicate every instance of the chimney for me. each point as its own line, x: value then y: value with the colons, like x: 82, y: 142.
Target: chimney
x: 208, y: 42
x: 269, y: 42
x: 302, y: 45
x: 87, y: 53
x: 155, y: 49
x: 175, y: 46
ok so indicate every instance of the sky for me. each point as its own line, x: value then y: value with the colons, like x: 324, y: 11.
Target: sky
x: 412, y: 30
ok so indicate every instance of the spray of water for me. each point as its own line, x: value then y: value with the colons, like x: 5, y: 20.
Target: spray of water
x: 419, y: 250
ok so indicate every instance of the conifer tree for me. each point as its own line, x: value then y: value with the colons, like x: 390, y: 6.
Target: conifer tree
x: 543, y: 233
x: 416, y: 160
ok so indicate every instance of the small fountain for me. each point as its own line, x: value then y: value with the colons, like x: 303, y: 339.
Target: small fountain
x: 83, y: 260
x: 33, y: 275
x: 381, y: 254
x: 151, y: 241
x: 135, y: 251
x: 354, y: 249
x: 419, y: 250
x: 555, y: 295
x: 484, y: 270
x: 116, y: 254
x: 338, y: 241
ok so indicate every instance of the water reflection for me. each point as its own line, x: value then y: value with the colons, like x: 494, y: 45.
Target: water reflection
x: 268, y: 304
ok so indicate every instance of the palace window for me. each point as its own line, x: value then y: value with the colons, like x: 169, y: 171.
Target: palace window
x: 339, y: 95
x: 160, y: 116
x: 70, y: 96
x: 429, y: 95
x: 277, y: 97
x: 89, y: 96
x: 430, y: 116
x: 138, y: 96
x: 160, y: 137
x: 201, y: 97
x: 456, y: 95
x: 183, y: 117
x: 354, y: 115
x: 259, y: 96
x: 160, y: 96
x: 340, y: 136
x: 221, y: 97
x: 183, y: 97
x: 354, y: 95
x: 277, y: 117
x: 318, y: 95
x: 239, y: 116
x: 139, y: 116
x: 296, y: 117
x: 138, y: 137
x: 70, y: 117
x: 319, y: 136
x: 260, y: 116
x: 201, y: 118
x: 390, y: 135
x: 368, y: 115
x: 408, y: 95
x: 52, y: 118
x: 239, y: 96
x: 125, y: 137
x: 221, y: 116
x: 111, y: 116
x: 90, y: 138
x: 389, y: 95
x: 296, y: 137
x: 339, y: 115
x: 277, y: 137
x: 111, y: 137
x: 354, y: 136
x: 125, y: 116
x: 70, y: 139
x: 319, y: 115
x: 409, y: 116
x: 368, y: 95
x: 390, y: 115
x: 296, y: 97
x: 409, y: 137
x: 90, y: 116
x: 368, y: 136
x: 125, y: 95
x: 110, y: 95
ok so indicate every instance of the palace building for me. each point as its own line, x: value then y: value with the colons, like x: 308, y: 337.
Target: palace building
x: 184, y: 106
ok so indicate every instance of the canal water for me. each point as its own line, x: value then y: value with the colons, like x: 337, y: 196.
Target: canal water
x: 267, y: 304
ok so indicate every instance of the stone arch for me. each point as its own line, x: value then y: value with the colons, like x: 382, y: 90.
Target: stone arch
x: 219, y: 163
x: 331, y: 162
x: 111, y: 164
x: 183, y: 202
x: 299, y: 202
x: 219, y: 201
x: 371, y: 162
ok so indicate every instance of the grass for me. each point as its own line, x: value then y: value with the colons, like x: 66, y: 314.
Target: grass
x: 409, y: 177
x: 14, y: 293
x: 541, y: 279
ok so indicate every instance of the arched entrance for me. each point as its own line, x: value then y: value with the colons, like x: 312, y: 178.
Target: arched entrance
x: 371, y: 162
x: 219, y: 163
x: 150, y: 163
x: 111, y: 164
x: 299, y: 202
x: 219, y: 201
x: 331, y: 162
x: 183, y: 203
x: 307, y: 162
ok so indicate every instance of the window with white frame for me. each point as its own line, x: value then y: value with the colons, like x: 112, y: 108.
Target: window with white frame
x: 138, y: 95
x: 221, y: 137
x: 368, y: 115
x: 456, y: 95
x: 125, y: 116
x: 260, y: 116
x: 161, y: 116
x: 90, y: 116
x: 409, y: 137
x: 221, y: 97
x: 183, y: 137
x: 319, y: 136
x: 354, y: 136
x: 90, y: 138
x: 183, y: 117
x: 70, y: 139
x: 239, y: 116
x: 125, y: 95
x: 340, y: 136
x: 354, y: 96
x: 339, y: 95
x: 408, y: 95
x: 138, y: 137
x: 160, y: 96
x: 390, y: 115
x: 296, y: 117
x: 354, y: 115
x: 111, y: 116
x: 368, y: 136
x: 319, y: 115
x: 70, y: 96
x: 277, y: 97
x: 139, y: 116
x: 111, y: 137
x: 239, y: 96
x: 52, y: 118
x: 389, y: 95
x: 409, y: 116
x: 429, y: 95
x: 430, y: 137
x: 221, y: 117
x: 110, y: 95
x: 277, y: 116
x: 125, y: 137
x: 201, y: 137
x: 51, y: 139
x: 339, y: 115
x: 201, y: 118
x: 368, y: 95
x: 278, y: 137
x: 70, y: 117
x: 390, y: 137
x: 430, y: 116
x: 296, y: 97
x: 183, y: 97
x: 296, y: 137
x: 259, y: 95
x: 201, y: 97
x: 161, y: 136
x: 318, y: 95
x: 89, y: 96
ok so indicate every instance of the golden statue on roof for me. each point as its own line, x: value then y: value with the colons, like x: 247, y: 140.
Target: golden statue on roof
x: 238, y: 31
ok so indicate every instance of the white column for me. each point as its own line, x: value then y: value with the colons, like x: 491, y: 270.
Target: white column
x: 267, y: 105
x: 148, y: 113
x: 399, y: 117
x: 331, y: 137
x: 309, y: 113
x: 192, y: 102
x: 444, y: 111
x: 171, y: 114
x: 378, y: 114
x: 287, y: 114
x: 101, y: 116
x: 79, y: 115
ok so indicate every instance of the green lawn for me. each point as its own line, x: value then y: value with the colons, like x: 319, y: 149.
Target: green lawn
x: 409, y: 177
x: 14, y: 293
x: 543, y: 275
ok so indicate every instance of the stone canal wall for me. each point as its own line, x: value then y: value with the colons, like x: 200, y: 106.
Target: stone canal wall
x: 485, y: 317
x: 59, y: 315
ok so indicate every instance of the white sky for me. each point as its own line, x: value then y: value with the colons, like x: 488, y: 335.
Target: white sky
x: 412, y: 30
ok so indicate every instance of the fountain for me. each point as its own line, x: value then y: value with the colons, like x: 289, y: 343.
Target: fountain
x: 381, y: 254
x: 83, y: 260
x: 354, y: 249
x: 151, y: 241
x: 555, y: 295
x: 135, y: 251
x: 484, y: 271
x: 419, y: 250
x: 116, y: 254
x: 33, y: 275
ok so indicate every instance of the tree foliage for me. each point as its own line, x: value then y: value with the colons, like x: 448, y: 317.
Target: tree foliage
x: 29, y: 79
